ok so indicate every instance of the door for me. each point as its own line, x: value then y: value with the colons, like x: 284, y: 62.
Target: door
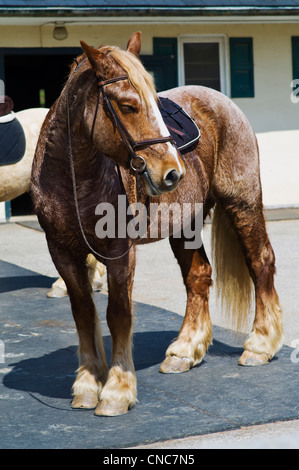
x: 33, y: 78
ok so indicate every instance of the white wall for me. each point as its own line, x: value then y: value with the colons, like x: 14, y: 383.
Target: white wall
x: 270, y: 110
x: 2, y: 212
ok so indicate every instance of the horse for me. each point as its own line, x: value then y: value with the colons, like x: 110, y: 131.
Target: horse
x: 86, y: 156
x: 15, y: 180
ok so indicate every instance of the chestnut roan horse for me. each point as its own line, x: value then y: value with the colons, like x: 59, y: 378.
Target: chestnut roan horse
x: 86, y: 154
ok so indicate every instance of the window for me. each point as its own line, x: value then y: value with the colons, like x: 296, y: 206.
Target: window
x: 203, y: 62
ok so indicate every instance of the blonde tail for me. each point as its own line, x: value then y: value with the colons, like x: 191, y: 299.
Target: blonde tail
x: 234, y: 285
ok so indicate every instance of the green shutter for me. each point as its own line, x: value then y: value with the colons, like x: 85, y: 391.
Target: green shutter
x: 295, y: 56
x: 241, y: 66
x: 165, y: 46
x: 7, y: 210
x: 168, y: 47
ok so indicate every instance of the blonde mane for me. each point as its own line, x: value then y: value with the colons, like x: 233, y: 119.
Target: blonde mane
x: 139, y: 78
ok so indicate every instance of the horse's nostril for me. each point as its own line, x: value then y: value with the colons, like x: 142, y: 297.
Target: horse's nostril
x: 171, y: 178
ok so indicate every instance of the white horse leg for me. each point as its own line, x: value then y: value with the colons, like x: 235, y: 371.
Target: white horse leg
x: 58, y: 289
x: 96, y: 271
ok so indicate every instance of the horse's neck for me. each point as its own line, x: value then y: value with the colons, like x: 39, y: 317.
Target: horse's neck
x: 92, y: 169
x: 70, y: 136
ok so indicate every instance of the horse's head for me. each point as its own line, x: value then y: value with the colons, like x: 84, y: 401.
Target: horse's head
x: 126, y: 119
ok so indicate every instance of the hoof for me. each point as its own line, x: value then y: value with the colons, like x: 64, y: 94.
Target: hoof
x: 57, y: 293
x: 114, y: 408
x: 97, y: 285
x: 88, y: 401
x: 176, y: 365
x: 249, y: 358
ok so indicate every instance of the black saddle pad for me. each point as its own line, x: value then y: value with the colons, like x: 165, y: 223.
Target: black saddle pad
x: 181, y: 126
x: 12, y: 142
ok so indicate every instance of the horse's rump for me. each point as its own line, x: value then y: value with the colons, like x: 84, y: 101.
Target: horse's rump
x: 15, y: 172
x: 12, y: 140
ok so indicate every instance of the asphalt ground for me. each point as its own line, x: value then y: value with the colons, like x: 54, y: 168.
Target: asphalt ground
x: 158, y: 283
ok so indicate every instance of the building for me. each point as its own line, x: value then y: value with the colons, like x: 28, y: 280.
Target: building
x: 247, y: 49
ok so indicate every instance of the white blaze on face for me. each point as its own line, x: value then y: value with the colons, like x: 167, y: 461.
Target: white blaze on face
x: 164, y: 132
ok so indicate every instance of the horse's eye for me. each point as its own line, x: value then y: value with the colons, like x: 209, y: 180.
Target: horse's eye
x: 126, y: 108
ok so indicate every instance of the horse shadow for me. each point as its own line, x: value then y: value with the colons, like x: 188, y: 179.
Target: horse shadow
x: 52, y: 375
x: 16, y: 283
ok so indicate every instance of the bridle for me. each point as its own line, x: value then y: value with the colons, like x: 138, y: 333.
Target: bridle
x: 130, y: 144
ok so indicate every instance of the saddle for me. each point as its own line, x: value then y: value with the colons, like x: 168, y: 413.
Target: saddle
x: 12, y: 137
x: 181, y: 126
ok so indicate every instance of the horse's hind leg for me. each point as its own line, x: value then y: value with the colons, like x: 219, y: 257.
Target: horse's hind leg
x: 93, y: 369
x: 265, y: 338
x: 195, y: 335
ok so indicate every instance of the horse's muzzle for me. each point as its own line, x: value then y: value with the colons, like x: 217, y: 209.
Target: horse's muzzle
x: 169, y: 182
x: 171, y: 179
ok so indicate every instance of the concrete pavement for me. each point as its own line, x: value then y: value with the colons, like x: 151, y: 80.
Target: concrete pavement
x: 158, y: 282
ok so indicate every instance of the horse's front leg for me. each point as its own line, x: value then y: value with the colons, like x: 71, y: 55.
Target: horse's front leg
x: 120, y: 390
x: 195, y: 335
x: 93, y: 369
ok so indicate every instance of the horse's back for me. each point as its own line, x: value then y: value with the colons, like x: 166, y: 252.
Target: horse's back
x: 228, y: 145
x: 207, y: 104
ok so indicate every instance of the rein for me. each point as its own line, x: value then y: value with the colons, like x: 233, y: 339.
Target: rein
x: 130, y: 143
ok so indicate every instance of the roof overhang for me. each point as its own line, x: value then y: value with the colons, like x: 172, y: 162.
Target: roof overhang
x: 150, y: 11
x: 131, y: 15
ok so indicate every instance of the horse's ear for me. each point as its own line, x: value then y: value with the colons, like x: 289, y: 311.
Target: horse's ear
x: 94, y: 55
x: 134, y: 44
